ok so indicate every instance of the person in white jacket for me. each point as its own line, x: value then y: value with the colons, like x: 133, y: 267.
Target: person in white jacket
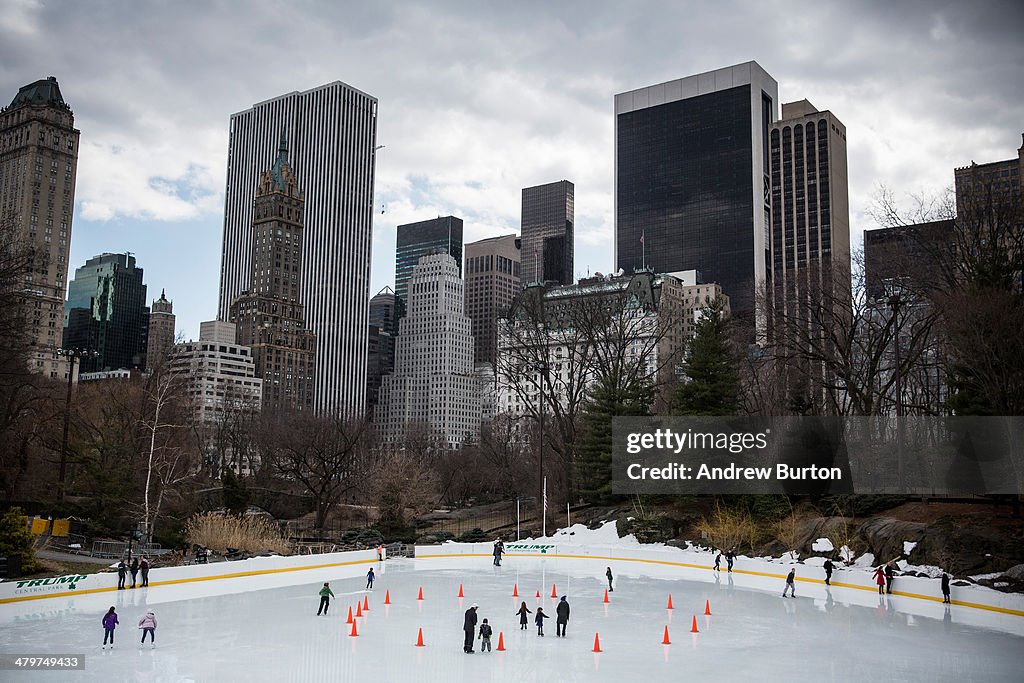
x: 148, y: 625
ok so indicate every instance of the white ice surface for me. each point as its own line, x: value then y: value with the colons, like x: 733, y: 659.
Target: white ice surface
x: 272, y: 634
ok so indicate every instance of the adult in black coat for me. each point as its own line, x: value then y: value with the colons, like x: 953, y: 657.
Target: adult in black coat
x: 562, y: 612
x: 469, y: 627
x: 122, y: 572
x: 134, y: 568
x: 828, y: 566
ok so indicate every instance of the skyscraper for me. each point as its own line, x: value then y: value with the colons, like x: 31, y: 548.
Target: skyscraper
x: 492, y: 283
x: 433, y: 382
x: 38, y: 166
x: 161, y: 331
x: 380, y: 355
x: 269, y: 315
x: 441, y: 235
x: 692, y: 184
x: 810, y: 229
x: 332, y: 132
x: 106, y: 312
x: 547, y: 233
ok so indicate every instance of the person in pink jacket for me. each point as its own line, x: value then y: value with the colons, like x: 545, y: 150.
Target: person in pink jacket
x: 148, y: 625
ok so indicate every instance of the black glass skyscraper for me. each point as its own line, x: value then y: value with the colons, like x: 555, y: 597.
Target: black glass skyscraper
x: 416, y: 240
x: 692, y: 190
x: 547, y: 233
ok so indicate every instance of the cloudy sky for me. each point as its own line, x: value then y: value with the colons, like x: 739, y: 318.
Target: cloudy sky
x: 478, y: 100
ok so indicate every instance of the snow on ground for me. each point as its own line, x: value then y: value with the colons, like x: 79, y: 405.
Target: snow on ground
x: 269, y: 632
x: 822, y: 545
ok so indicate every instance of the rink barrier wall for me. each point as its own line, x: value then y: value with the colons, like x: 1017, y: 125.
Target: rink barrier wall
x: 855, y: 578
x: 84, y: 584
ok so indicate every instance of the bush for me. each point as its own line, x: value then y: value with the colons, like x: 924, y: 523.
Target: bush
x: 475, y: 535
x: 16, y: 540
x: 727, y: 528
x: 251, y: 534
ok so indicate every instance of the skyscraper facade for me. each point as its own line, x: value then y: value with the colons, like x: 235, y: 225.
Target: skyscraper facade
x: 380, y: 356
x: 161, y: 331
x: 38, y: 168
x: 269, y: 315
x: 106, y: 312
x: 547, y: 233
x: 332, y: 133
x: 492, y: 283
x: 692, y: 178
x: 810, y: 229
x: 441, y: 235
x: 433, y: 382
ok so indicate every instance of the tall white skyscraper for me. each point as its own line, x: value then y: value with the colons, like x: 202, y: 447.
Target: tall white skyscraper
x: 433, y: 382
x: 332, y: 134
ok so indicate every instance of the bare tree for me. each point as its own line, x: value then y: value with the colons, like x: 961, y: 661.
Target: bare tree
x: 400, y: 483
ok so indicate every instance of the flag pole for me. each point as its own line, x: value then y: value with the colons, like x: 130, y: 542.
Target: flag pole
x: 544, y: 524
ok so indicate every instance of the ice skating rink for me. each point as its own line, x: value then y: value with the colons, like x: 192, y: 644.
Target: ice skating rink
x: 259, y: 632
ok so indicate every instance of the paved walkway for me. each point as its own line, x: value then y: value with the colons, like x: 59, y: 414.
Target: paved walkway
x: 71, y: 557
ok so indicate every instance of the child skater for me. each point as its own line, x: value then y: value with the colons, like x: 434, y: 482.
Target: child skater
x: 523, y: 611
x: 540, y: 621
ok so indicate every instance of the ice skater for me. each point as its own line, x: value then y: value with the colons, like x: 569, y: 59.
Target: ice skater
x: 109, y: 624
x: 790, y: 583
x: 607, y: 573
x: 889, y: 573
x: 729, y: 557
x: 523, y: 620
x: 144, y: 570
x: 499, y: 548
x: 148, y: 625
x: 880, y: 579
x: 380, y: 553
x: 469, y: 628
x: 945, y: 589
x: 369, y: 579
x: 828, y: 567
x: 562, y: 620
x: 134, y: 569
x: 325, y: 599
x: 485, y: 636
x: 122, y: 573
x: 718, y: 561
x: 540, y: 621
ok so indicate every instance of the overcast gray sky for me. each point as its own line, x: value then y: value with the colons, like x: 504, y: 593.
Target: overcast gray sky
x: 479, y: 100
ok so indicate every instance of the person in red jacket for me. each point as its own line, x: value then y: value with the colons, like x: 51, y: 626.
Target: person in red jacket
x: 880, y: 579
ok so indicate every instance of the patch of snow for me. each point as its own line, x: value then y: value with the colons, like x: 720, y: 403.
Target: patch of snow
x: 845, y: 554
x: 865, y: 560
x: 982, y: 577
x: 908, y: 547
x: 822, y: 545
x: 814, y: 561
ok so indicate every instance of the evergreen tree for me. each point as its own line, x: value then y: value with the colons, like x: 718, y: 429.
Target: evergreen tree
x: 607, y: 398
x: 16, y: 540
x: 235, y: 493
x: 711, y: 385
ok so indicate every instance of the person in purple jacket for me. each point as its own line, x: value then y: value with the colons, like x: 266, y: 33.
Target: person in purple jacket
x: 109, y: 624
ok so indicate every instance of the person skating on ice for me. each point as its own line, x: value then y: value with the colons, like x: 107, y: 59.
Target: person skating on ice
x: 945, y: 588
x: 889, y: 573
x: 540, y: 621
x: 134, y: 569
x: 562, y: 614
x: 828, y: 567
x: 729, y: 557
x: 607, y: 573
x: 790, y: 584
x: 880, y: 579
x: 499, y: 548
x: 485, y: 636
x: 469, y: 628
x: 369, y: 579
x: 718, y: 561
x: 144, y: 570
x: 122, y: 573
x: 148, y: 625
x: 523, y: 620
x: 325, y: 599
x: 109, y: 624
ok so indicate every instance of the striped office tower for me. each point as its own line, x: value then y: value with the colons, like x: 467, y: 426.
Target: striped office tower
x: 331, y: 133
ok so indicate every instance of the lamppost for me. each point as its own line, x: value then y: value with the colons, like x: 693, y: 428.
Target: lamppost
x: 894, y: 304
x: 72, y: 355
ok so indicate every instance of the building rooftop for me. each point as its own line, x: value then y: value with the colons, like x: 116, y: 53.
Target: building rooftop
x: 42, y: 92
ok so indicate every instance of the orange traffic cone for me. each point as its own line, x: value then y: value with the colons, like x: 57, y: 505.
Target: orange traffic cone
x: 354, y: 631
x: 359, y: 609
x: 366, y: 604
x: 460, y: 591
x: 669, y: 601
x: 419, y: 639
x: 538, y: 595
x: 597, y: 643
x: 501, y: 641
x: 554, y: 594
x: 693, y: 629
x: 349, y: 620
x: 707, y: 607
x: 515, y: 590
x: 387, y: 597
x: 665, y: 640
x: 606, y: 595
x: 420, y: 596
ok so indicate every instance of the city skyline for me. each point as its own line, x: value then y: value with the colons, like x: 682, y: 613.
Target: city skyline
x: 152, y: 164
